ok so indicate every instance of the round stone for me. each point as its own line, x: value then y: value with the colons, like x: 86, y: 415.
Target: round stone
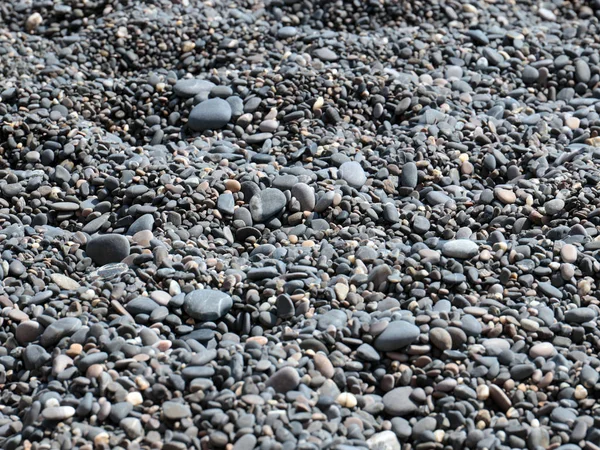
x: 211, y: 114
x: 554, y: 206
x: 108, y: 248
x: 305, y: 196
x: 506, y: 196
x: 580, y: 315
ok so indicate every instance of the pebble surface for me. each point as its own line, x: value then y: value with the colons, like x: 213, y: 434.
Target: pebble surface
x: 299, y: 225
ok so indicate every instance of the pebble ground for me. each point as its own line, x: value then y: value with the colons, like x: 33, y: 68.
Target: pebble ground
x: 297, y: 224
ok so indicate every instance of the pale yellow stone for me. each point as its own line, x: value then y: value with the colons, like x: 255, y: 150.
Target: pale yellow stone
x: 135, y: 398
x: 347, y: 400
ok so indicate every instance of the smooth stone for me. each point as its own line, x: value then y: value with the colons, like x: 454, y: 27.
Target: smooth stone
x: 285, y: 307
x: 421, y: 225
x: 325, y: 54
x: 145, y: 222
x: 207, y: 304
x: 583, y: 73
x: 568, y: 253
x: 554, y: 206
x: 589, y: 376
x: 245, y: 442
x: 506, y: 196
x: 211, y: 114
x: 367, y: 353
x: 353, y: 174
x: 435, y: 198
x: 383, y: 440
x: 141, y: 305
x: 544, y: 349
x: 460, y: 248
x: 64, y: 282
x: 284, y: 380
x: 398, y: 402
x: 56, y: 413
x: 305, y: 195
x: 530, y: 75
x: 132, y: 426
x: 59, y: 329
x: 287, y: 32
x: 440, y: 338
x: 108, y: 249
x: 28, y: 331
x: 191, y: 87
x: 499, y: 397
x: 35, y: 356
x: 267, y: 204
x: 226, y: 203
x: 580, y: 315
x: 176, y: 410
x: 397, y: 335
x: 409, y: 176
x: 550, y: 291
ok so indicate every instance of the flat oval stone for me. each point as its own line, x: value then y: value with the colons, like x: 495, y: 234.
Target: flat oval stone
x: 192, y: 87
x: 207, y: 304
x: 460, y: 248
x: 409, y: 175
x: 65, y: 282
x: 58, y: 413
x: 580, y: 315
x: 397, y: 335
x: 176, y: 410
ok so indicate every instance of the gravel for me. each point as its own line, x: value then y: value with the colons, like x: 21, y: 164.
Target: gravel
x: 299, y: 225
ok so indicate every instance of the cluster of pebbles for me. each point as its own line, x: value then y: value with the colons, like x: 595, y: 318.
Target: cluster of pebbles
x: 298, y: 224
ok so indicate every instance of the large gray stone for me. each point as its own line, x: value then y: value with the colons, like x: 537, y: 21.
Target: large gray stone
x: 207, y: 304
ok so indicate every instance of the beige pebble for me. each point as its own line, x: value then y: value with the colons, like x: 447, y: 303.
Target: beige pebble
x: 530, y: 325
x: 347, y: 400
x: 568, y: 253
x: 505, y: 196
x: 188, y: 46
x: 341, y: 291
x: 94, y: 371
x: 580, y: 392
x: 483, y: 392
x: 143, y: 238
x: 135, y: 398
x: 323, y: 365
x: 74, y: 350
x: 572, y: 122
x: 233, y: 186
